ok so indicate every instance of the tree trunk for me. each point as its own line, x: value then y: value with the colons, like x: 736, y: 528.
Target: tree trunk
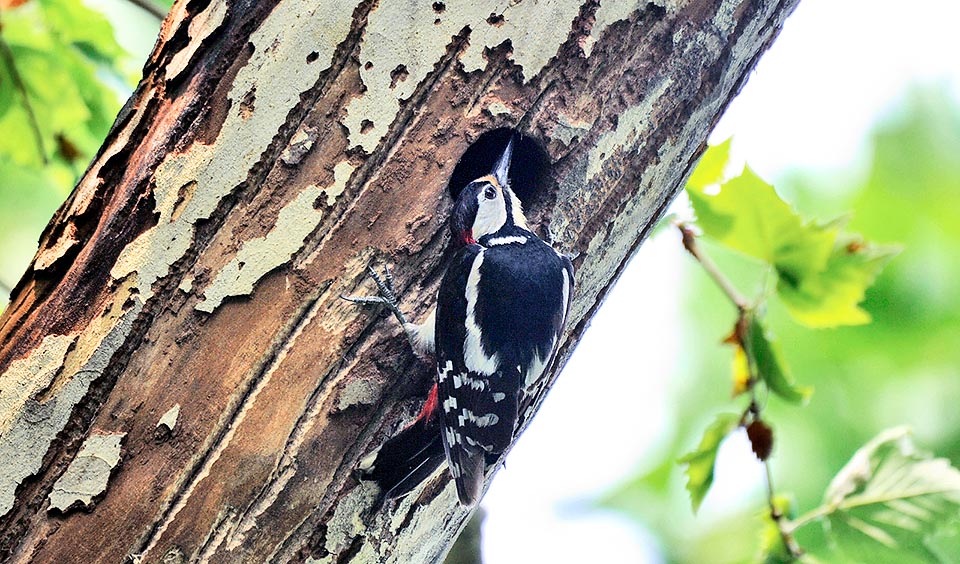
x: 179, y: 380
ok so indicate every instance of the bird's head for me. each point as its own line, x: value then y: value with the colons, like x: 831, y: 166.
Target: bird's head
x: 487, y: 205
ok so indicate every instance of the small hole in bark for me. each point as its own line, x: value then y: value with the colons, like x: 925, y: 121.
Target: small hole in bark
x: 247, y: 105
x: 436, y: 21
x: 398, y: 74
x: 313, y: 56
x: 496, y: 20
x: 529, y: 168
x: 369, y: 65
x: 365, y: 126
x: 439, y: 7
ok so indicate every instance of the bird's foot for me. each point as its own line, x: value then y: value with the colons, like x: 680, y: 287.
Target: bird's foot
x: 387, y: 296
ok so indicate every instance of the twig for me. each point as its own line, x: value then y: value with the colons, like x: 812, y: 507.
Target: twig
x: 7, y: 55
x: 150, y: 7
x: 690, y: 244
x: 784, y: 526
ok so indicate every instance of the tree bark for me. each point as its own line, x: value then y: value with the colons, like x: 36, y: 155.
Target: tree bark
x: 178, y: 378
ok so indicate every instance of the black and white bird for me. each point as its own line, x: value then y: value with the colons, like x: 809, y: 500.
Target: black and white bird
x: 500, y: 311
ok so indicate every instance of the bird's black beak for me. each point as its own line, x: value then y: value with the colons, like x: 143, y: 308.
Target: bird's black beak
x: 501, y: 170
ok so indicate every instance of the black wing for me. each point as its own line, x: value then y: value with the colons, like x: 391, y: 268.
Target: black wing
x: 479, y: 408
x: 519, y: 294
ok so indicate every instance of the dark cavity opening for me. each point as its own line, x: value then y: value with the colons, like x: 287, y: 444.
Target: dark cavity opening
x: 529, y: 168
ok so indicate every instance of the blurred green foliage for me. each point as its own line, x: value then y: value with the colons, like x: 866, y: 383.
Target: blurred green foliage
x: 56, y: 105
x: 903, y: 368
x: 63, y: 75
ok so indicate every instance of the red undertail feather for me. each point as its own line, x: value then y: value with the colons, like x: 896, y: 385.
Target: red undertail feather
x: 430, y: 407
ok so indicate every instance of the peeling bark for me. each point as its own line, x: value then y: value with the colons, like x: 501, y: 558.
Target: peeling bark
x: 272, y: 151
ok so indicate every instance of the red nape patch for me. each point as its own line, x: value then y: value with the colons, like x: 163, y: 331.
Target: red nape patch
x: 467, y: 237
x: 431, y: 405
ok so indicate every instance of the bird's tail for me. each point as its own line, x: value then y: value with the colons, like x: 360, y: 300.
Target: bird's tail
x: 408, y: 458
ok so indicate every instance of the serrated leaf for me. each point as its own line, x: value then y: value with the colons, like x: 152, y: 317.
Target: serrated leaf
x: 700, y: 462
x: 831, y: 297
x: 748, y: 216
x: 709, y: 171
x: 764, y: 352
x: 886, y: 503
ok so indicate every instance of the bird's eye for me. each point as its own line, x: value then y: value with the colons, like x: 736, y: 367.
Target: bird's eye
x: 490, y: 193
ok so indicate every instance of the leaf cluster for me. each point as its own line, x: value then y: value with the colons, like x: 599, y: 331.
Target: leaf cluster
x: 58, y: 83
x: 903, y: 366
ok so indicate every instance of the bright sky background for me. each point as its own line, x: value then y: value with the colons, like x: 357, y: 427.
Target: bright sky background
x: 837, y: 67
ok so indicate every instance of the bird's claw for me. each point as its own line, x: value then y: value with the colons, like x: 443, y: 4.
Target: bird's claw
x: 387, y: 296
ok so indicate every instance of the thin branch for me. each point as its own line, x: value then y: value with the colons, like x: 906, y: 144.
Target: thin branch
x: 783, y: 525
x: 7, y: 56
x: 690, y: 244
x: 151, y: 8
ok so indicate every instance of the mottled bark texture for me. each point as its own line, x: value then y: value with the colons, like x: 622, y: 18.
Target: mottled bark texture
x: 273, y: 150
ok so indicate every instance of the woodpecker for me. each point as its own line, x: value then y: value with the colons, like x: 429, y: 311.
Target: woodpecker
x: 500, y: 310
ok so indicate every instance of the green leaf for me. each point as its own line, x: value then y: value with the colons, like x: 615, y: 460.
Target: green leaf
x: 831, y: 297
x: 890, y: 500
x: 64, y: 53
x: 764, y: 354
x: 700, y: 462
x: 772, y: 549
x: 709, y: 171
x: 74, y: 24
x: 748, y: 216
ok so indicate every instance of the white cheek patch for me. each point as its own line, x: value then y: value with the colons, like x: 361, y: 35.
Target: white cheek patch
x: 491, y: 215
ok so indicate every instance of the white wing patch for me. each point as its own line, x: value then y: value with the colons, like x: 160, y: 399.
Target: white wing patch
x: 453, y: 436
x: 449, y: 404
x: 478, y: 420
x: 473, y: 356
x: 447, y: 368
x: 460, y: 380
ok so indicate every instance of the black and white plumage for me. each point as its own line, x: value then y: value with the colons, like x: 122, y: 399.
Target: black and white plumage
x: 500, y: 311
